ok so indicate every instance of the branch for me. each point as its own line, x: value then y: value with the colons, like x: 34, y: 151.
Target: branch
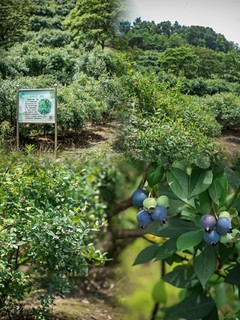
x: 129, y: 233
x: 127, y: 203
x: 121, y: 206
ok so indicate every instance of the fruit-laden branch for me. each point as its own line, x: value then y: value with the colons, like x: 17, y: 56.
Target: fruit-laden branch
x: 127, y: 203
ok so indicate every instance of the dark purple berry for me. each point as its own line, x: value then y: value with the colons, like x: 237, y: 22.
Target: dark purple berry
x: 138, y: 197
x: 224, y: 226
x: 160, y: 214
x: 211, y: 237
x: 208, y: 222
x: 144, y: 218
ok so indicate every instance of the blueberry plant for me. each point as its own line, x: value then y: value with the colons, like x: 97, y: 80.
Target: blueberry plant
x: 50, y: 217
x: 194, y: 211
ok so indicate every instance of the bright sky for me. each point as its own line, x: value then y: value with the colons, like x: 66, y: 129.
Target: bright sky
x: 223, y: 16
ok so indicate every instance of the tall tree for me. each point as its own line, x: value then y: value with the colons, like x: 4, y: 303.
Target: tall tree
x: 180, y: 61
x: 93, y: 21
x: 14, y: 17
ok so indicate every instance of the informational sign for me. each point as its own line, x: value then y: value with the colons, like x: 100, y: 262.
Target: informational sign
x: 36, y: 106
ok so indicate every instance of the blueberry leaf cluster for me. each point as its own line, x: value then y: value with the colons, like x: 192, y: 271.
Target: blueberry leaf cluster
x: 201, y: 236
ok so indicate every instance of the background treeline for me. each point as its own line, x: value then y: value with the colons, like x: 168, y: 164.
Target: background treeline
x: 148, y: 35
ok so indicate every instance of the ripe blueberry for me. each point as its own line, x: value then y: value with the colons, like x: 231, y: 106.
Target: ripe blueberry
x: 208, y: 222
x: 211, y: 237
x: 224, y: 226
x: 138, y: 197
x: 160, y: 214
x: 144, y: 218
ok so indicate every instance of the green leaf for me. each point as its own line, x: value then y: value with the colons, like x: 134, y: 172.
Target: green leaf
x: 178, y: 181
x: 195, y: 306
x: 146, y: 255
x: 219, y: 188
x: 154, y: 174
x: 224, y: 252
x: 233, y: 275
x: 159, y: 294
x: 233, y: 178
x: 213, y: 315
x: 165, y: 190
x: 21, y: 243
x: 200, y: 180
x: 173, y: 229
x: 204, y: 263
x: 182, y: 277
x: 189, y: 239
x: 166, y: 249
x: 204, y: 203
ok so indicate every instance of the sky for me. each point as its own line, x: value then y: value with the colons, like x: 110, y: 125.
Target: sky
x: 223, y: 16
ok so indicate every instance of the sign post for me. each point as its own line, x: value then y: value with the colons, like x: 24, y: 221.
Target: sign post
x: 37, y: 106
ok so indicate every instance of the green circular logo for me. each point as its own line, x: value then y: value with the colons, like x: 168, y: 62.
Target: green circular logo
x: 44, y: 106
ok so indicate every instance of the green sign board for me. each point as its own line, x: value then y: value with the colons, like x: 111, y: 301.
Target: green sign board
x: 36, y: 106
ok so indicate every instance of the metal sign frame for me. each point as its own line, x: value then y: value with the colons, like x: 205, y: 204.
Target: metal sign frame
x: 31, y: 112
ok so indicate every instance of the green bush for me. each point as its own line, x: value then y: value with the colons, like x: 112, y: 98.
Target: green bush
x: 226, y: 108
x: 50, y: 212
x: 99, y: 62
x: 163, y: 125
x: 53, y: 38
x: 37, y: 23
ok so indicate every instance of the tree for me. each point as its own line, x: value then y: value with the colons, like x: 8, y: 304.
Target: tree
x: 93, y: 21
x: 179, y: 61
x: 209, y: 62
x: 14, y: 17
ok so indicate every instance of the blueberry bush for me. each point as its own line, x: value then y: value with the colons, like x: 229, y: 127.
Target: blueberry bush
x: 51, y: 212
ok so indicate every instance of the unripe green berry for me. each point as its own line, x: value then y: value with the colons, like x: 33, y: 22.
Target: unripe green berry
x: 226, y: 238
x: 224, y: 214
x: 149, y: 204
x: 163, y: 201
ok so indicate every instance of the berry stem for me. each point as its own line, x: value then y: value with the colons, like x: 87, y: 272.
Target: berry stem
x: 214, y: 213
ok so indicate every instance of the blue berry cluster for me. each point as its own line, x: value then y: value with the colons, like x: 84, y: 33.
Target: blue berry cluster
x: 150, y: 209
x: 216, y: 229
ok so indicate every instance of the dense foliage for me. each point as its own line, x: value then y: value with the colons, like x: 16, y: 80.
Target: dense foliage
x: 203, y: 263
x: 51, y: 212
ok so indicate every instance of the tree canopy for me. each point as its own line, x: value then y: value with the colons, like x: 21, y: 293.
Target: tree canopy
x: 93, y: 21
x: 14, y: 17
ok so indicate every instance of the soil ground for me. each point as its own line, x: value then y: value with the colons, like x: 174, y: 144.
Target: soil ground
x: 95, y: 298
x: 92, y: 136
x: 230, y: 144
